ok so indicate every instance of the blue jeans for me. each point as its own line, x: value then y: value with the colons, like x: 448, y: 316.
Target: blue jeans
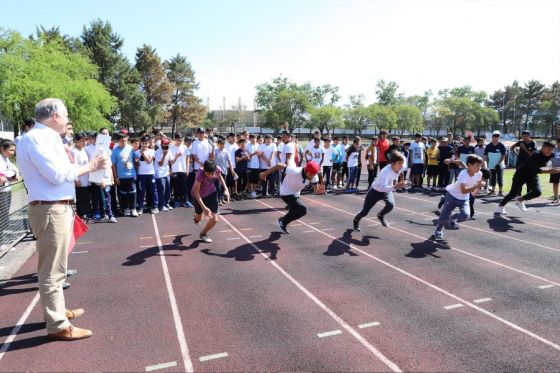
x: 352, y: 171
x: 448, y: 206
x: 147, y: 184
x: 163, y: 191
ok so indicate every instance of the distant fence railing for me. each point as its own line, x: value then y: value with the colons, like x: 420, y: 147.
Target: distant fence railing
x: 13, y: 215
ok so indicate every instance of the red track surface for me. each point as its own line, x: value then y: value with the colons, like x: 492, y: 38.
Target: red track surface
x: 266, y: 315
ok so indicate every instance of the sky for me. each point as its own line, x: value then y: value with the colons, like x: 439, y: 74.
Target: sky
x: 233, y: 45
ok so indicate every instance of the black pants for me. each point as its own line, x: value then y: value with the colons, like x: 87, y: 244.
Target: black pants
x: 190, y: 183
x: 82, y: 201
x: 243, y: 177
x: 358, y: 175
x: 296, y: 209
x: 268, y: 184
x: 444, y: 175
x: 372, y: 198
x: 327, y: 175
x: 180, y: 187
x: 372, y: 174
x: 471, y: 204
x: 127, y: 193
x: 533, y: 188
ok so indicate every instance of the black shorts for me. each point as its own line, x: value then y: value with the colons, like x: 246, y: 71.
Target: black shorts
x: 555, y: 179
x: 254, y: 175
x: 433, y: 170
x: 229, y: 180
x: 417, y: 169
x: 210, y: 201
x: 337, y: 167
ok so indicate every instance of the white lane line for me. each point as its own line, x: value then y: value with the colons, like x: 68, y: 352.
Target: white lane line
x: 314, y: 223
x: 16, y: 329
x: 145, y: 238
x: 295, y: 225
x: 328, y: 229
x: 482, y: 300
x: 321, y: 305
x: 169, y: 235
x: 174, y: 309
x: 83, y: 243
x: 79, y: 252
x: 146, y: 246
x: 453, y: 306
x: 246, y: 229
x: 259, y: 236
x: 329, y: 334
x: 369, y: 325
x: 435, y: 287
x: 151, y: 368
x: 225, y: 231
x: 233, y: 238
x: 213, y: 357
x: 453, y: 248
x: 307, y: 231
x: 546, y: 286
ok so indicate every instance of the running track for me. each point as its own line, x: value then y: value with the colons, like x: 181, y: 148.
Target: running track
x: 322, y: 298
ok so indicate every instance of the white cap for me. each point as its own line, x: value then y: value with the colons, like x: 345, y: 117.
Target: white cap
x: 496, y: 133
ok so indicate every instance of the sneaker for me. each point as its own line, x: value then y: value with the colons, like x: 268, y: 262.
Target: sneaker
x: 140, y: 212
x: 134, y: 213
x: 500, y: 210
x: 283, y: 226
x: 438, y: 235
x: 205, y: 238
x: 555, y: 201
x: 188, y: 204
x: 177, y: 204
x: 97, y: 216
x: 164, y: 208
x: 356, y: 225
x: 71, y: 272
x: 112, y: 219
x: 127, y: 212
x: 66, y: 285
x: 154, y: 210
x: 169, y: 207
x: 383, y: 220
x: 519, y: 202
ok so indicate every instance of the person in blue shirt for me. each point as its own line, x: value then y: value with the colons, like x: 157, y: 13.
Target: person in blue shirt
x: 123, y: 158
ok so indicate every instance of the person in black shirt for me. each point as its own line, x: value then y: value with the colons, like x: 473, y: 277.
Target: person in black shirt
x: 445, y: 152
x: 528, y: 173
x: 526, y: 148
x: 242, y: 157
x: 494, y: 155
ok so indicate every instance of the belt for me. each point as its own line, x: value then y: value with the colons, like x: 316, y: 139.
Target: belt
x: 60, y: 202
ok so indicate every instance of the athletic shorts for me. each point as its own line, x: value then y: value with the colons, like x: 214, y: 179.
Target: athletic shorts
x: 433, y: 170
x: 230, y: 182
x: 555, y: 179
x: 417, y: 169
x: 337, y: 168
x: 254, y: 175
x: 211, y: 201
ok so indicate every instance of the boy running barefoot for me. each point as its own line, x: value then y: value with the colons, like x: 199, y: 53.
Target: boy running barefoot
x: 528, y: 173
x: 205, y: 197
x: 459, y: 194
x: 295, y: 179
x: 382, y: 189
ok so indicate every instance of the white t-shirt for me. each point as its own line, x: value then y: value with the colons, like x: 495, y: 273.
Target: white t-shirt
x: 288, y: 148
x: 353, y: 159
x: 161, y: 171
x: 328, y: 156
x: 316, y: 154
x: 180, y: 164
x: 416, y: 151
x: 254, y: 161
x: 81, y: 159
x: 463, y: 178
x: 311, y: 145
x: 146, y: 168
x: 202, y: 150
x: 90, y: 151
x: 268, y: 151
x: 231, y: 148
x: 294, y: 181
x: 385, y: 179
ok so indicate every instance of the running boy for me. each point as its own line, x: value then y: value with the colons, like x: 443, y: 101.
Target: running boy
x: 382, y: 189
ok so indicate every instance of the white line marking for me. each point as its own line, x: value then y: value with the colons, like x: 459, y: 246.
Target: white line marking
x: 83, y: 243
x: 453, y: 306
x: 151, y: 368
x: 259, y: 236
x: 15, y: 330
x: 295, y: 225
x: 321, y: 305
x: 314, y: 223
x: 169, y: 235
x: 146, y: 246
x: 482, y: 300
x: 233, y: 238
x: 368, y: 325
x: 145, y: 238
x: 307, y: 231
x: 225, y: 231
x: 329, y: 334
x: 328, y: 229
x: 213, y: 357
x: 246, y: 229
x: 546, y: 286
x: 435, y: 287
x: 79, y: 252
x: 174, y: 309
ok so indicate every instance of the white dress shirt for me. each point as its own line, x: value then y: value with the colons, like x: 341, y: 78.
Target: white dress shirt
x: 45, y: 166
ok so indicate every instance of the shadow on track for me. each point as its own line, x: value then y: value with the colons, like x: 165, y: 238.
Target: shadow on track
x: 246, y: 212
x: 426, y: 248
x: 247, y: 252
x: 10, y: 286
x: 501, y: 224
x: 141, y: 256
x: 25, y: 328
x: 336, y: 248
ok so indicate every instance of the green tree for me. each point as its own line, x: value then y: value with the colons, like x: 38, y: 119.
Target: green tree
x: 409, y: 119
x: 31, y: 70
x: 387, y: 93
x: 532, y: 94
x: 357, y: 116
x: 382, y: 117
x: 326, y: 118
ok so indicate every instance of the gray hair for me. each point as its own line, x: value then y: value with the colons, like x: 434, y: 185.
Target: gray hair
x: 47, y: 107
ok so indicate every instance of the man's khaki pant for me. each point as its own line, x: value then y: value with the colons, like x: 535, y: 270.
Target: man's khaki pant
x: 52, y: 226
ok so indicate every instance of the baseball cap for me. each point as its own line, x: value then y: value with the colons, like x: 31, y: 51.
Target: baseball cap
x: 496, y: 133
x: 124, y: 131
x: 312, y: 168
x: 200, y: 130
x: 165, y: 141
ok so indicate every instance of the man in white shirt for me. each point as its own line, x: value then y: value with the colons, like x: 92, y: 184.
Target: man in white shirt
x: 295, y: 179
x: 49, y: 177
x: 231, y: 147
x: 268, y: 160
x: 180, y: 159
x: 201, y: 150
x: 417, y: 159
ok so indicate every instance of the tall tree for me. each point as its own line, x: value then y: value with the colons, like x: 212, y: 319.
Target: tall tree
x: 357, y: 116
x: 382, y: 117
x: 154, y: 83
x: 532, y: 94
x: 185, y: 109
x: 387, y: 93
x: 409, y: 119
x: 326, y: 118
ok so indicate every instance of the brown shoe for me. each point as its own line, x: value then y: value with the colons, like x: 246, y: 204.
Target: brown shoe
x: 71, y: 333
x: 74, y: 314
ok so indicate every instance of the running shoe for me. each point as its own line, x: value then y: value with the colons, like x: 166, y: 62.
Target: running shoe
x: 112, y: 219
x: 188, y: 204
x: 164, y: 208
x: 253, y: 195
x: 134, y: 213
x: 500, y: 210
x: 97, y: 216
x: 519, y: 202
x: 154, y: 210
x: 140, y: 212
x: 356, y: 225
x: 126, y: 212
x: 71, y: 272
x: 205, y: 238
x: 555, y: 201
x: 383, y: 221
x: 500, y: 194
x: 283, y: 226
x: 169, y: 207
x: 438, y: 235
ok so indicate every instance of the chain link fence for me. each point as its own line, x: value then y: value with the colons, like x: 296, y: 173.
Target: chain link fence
x: 13, y: 215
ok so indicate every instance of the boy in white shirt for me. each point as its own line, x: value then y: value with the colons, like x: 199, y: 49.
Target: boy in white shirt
x: 146, y: 175
x: 327, y: 162
x: 316, y: 153
x: 179, y: 159
x: 231, y: 147
x: 268, y: 160
x: 82, y: 183
x: 382, y: 189
x: 417, y: 153
x: 253, y: 165
x: 163, y: 185
x: 201, y: 149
